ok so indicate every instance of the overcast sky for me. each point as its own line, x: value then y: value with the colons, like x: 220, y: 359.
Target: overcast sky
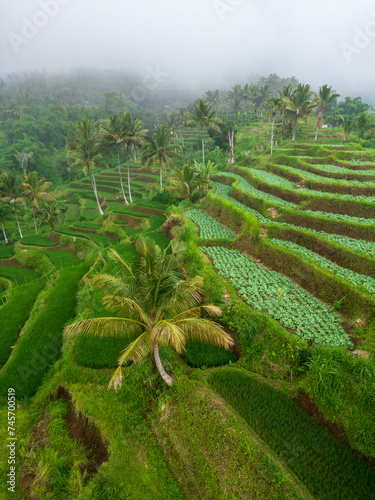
x: 210, y: 42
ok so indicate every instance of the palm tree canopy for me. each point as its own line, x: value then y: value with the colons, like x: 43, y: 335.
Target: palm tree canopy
x: 204, y: 116
x: 152, y: 300
x: 84, y: 147
x: 10, y: 188
x: 35, y: 189
x: 160, y: 148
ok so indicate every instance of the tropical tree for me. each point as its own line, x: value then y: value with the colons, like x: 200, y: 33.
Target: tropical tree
x: 204, y: 117
x: 11, y: 192
x: 159, y: 150
x: 112, y: 132
x: 153, y: 301
x: 182, y: 121
x: 23, y: 159
x: 300, y: 105
x: 260, y: 96
x: 184, y: 183
x: 212, y: 97
x: 51, y: 214
x: 286, y: 92
x: 205, y: 172
x: 85, y: 153
x: 273, y: 106
x: 133, y: 138
x: 236, y: 95
x: 326, y: 96
x: 35, y: 189
x: 348, y: 123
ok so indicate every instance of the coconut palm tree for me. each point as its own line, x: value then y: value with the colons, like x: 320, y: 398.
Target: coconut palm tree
x: 286, y: 92
x: 182, y: 121
x: 10, y: 189
x: 51, y: 214
x: 35, y: 189
x: 3, y: 230
x: 326, y: 96
x: 84, y: 153
x: 113, y: 133
x: 159, y: 150
x: 184, y: 183
x: 204, y: 117
x: 205, y: 172
x: 300, y: 105
x: 236, y: 95
x: 133, y: 138
x: 153, y: 301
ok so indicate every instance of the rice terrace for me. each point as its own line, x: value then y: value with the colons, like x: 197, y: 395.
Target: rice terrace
x: 187, y: 295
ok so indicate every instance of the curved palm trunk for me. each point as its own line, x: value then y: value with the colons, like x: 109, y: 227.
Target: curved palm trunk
x: 18, y: 222
x: 119, y: 171
x: 273, y: 123
x: 130, y: 193
x: 93, y: 184
x: 4, y: 233
x: 284, y: 125
x: 164, y: 375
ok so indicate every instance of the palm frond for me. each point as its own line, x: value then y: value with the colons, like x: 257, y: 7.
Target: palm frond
x: 169, y: 334
x: 105, y: 327
x: 137, y: 350
x: 204, y: 330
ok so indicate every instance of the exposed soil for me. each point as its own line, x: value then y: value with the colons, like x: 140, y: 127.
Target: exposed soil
x: 38, y: 440
x: 173, y: 221
x: 145, y: 210
x: 11, y: 263
x: 86, y: 432
x: 132, y: 222
x: 336, y: 430
x: 273, y: 212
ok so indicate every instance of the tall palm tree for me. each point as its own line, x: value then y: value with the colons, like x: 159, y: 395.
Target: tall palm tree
x: 10, y: 189
x: 182, y: 121
x: 152, y: 300
x: 204, y: 117
x: 133, y: 138
x: 286, y: 92
x: 300, y: 105
x: 159, y: 150
x: 326, y: 96
x: 35, y: 189
x: 113, y: 133
x: 84, y: 153
x: 3, y: 229
x: 236, y: 95
x: 273, y: 105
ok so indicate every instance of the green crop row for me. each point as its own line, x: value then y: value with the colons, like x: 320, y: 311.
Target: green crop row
x: 362, y: 282
x: 38, y: 241
x: 14, y: 313
x: 99, y: 239
x: 62, y: 258
x: 19, y: 275
x: 319, y: 178
x: 326, y: 467
x: 6, y: 252
x: 280, y: 298
x: 200, y: 355
x: 342, y: 170
x: 249, y: 189
x: 209, y: 228
x: 40, y: 345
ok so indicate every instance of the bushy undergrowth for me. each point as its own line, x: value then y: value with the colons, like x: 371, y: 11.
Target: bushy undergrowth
x: 327, y: 468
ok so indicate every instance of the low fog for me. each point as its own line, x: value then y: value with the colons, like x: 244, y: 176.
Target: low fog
x: 203, y: 44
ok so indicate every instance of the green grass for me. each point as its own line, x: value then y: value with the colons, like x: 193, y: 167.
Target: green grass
x: 19, y: 275
x: 37, y: 240
x: 326, y: 467
x: 6, y: 252
x: 62, y: 258
x: 99, y: 352
x: 40, y: 346
x: 13, y: 315
x: 200, y: 355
